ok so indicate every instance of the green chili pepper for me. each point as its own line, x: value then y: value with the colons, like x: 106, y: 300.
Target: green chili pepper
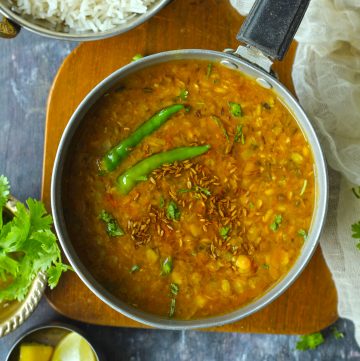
x: 115, y: 155
x: 127, y: 181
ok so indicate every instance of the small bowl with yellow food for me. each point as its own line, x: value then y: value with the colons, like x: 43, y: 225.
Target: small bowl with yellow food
x: 53, y: 343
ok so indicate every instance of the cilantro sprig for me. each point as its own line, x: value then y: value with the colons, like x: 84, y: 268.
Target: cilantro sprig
x: 172, y: 211
x: 112, y: 226
x: 27, y: 246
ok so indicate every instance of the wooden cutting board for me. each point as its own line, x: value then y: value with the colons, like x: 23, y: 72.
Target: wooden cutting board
x: 311, y: 302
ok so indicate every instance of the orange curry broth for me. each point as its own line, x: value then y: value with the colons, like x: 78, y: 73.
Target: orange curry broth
x: 260, y: 177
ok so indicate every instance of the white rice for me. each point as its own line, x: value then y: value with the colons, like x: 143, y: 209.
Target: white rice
x: 84, y: 15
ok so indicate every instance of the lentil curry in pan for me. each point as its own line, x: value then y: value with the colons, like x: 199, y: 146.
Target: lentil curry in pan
x: 190, y: 190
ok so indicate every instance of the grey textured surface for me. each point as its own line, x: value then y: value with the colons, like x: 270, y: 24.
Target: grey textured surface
x: 28, y: 65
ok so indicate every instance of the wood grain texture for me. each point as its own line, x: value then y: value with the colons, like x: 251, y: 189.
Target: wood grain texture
x: 310, y: 303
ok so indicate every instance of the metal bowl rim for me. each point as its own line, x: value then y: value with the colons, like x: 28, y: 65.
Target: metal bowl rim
x: 88, y: 36
x: 63, y: 326
x: 154, y: 320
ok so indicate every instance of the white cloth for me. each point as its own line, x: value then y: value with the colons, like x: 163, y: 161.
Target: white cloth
x: 326, y: 76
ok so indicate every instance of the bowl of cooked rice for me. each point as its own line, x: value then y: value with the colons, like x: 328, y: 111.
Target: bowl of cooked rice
x: 78, y: 20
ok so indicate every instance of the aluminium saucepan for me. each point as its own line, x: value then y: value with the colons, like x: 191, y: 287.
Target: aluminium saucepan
x: 268, y: 30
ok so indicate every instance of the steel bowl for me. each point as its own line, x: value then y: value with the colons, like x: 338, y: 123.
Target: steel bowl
x: 15, y: 313
x: 47, y: 335
x: 64, y: 155
x: 13, y: 20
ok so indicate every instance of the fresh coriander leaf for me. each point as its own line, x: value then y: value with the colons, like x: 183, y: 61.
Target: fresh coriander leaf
x: 251, y: 205
x: 302, y: 233
x: 303, y: 187
x: 358, y: 246
x: 276, y: 224
x: 174, y: 289
x: 135, y: 268
x: 265, y: 266
x: 39, y: 219
x: 166, y: 266
x: 309, y: 342
x: 137, y: 57
x: 239, y: 135
x: 356, y: 230
x: 172, y: 307
x: 112, y: 226
x: 224, y: 232
x: 337, y: 334
x: 203, y: 190
x: 221, y: 126
x: 183, y: 94
x: 197, y: 189
x: 235, y: 109
x: 54, y: 273
x: 9, y: 266
x: 356, y: 192
x: 209, y: 70
x: 172, y: 211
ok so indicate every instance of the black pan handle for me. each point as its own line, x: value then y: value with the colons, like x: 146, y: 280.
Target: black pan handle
x: 271, y: 25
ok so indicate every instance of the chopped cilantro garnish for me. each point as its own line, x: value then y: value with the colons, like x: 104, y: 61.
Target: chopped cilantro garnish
x: 166, y: 266
x: 251, y: 205
x: 356, y: 192
x: 135, y: 268
x: 356, y: 232
x: 28, y: 246
x: 239, y: 135
x: 137, y: 57
x: 302, y: 233
x: 309, y: 342
x: 276, y: 224
x: 224, y: 232
x: 174, y: 289
x: 265, y: 266
x: 235, y: 109
x: 336, y: 333
x: 112, y: 226
x: 196, y: 189
x: 203, y: 190
x: 221, y: 126
x: 303, y: 187
x: 183, y: 94
x: 172, y: 211
x: 172, y: 307
x: 209, y: 69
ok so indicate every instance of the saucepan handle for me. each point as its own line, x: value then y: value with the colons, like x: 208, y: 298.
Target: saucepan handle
x: 8, y: 29
x: 271, y: 25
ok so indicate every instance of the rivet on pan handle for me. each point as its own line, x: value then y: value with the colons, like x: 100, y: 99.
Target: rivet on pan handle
x: 271, y: 25
x: 8, y: 29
